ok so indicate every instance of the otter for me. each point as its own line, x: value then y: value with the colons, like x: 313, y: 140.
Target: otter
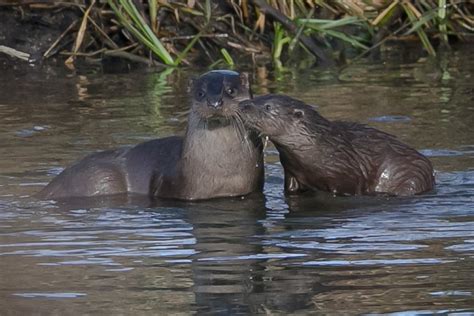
x: 340, y: 157
x: 217, y: 157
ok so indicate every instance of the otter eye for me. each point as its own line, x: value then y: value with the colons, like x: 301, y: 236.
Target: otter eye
x: 298, y: 113
x: 200, y: 94
x: 268, y: 107
x: 230, y: 91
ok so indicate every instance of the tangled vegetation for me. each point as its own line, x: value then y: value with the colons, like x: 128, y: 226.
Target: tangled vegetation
x: 187, y: 32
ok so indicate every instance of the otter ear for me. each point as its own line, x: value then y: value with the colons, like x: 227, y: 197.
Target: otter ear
x: 191, y: 82
x: 298, y: 114
x: 244, y: 80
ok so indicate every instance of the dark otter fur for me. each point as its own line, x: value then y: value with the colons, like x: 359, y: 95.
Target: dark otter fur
x: 340, y: 157
x: 217, y: 157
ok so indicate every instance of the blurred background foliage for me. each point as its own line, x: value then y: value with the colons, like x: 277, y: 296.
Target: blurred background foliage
x: 190, y: 32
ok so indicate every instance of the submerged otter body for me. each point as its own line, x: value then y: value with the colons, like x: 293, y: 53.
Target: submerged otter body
x: 217, y: 157
x: 339, y: 157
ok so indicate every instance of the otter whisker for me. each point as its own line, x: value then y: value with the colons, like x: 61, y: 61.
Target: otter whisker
x: 240, y: 127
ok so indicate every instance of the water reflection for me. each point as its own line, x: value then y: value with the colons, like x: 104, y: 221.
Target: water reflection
x: 262, y: 254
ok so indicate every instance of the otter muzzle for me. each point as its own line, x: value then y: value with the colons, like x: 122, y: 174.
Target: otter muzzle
x: 215, y: 103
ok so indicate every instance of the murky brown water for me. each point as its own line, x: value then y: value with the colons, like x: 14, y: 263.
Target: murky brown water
x: 265, y: 254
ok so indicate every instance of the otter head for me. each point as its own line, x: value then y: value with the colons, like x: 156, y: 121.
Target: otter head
x: 275, y: 115
x: 216, y: 94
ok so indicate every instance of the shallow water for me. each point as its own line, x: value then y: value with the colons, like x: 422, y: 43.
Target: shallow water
x: 259, y: 254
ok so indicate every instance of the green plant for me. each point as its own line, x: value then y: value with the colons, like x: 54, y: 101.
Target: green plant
x: 132, y: 20
x: 228, y: 59
x: 328, y: 28
x: 280, y: 39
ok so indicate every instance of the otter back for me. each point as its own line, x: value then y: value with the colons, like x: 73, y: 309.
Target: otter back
x: 339, y: 157
x: 217, y: 157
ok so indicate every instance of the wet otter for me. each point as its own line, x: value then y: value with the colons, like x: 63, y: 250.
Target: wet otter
x: 340, y: 157
x: 217, y: 157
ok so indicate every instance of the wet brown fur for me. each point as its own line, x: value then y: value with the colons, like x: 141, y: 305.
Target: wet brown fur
x: 340, y: 157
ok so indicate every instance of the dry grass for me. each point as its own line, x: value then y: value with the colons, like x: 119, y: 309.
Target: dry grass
x: 173, y: 33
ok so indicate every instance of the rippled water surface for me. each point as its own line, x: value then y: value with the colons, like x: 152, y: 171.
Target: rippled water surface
x: 262, y: 254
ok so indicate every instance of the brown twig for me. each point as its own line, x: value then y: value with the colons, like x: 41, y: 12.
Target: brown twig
x: 120, y: 52
x: 91, y: 54
x: 243, y: 48
x: 108, y: 40
x: 465, y: 17
x: 80, y: 36
x: 132, y: 57
x: 56, y: 42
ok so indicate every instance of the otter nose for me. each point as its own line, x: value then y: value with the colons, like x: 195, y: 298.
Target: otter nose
x: 215, y: 103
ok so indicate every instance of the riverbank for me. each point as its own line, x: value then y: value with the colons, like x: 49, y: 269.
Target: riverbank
x: 215, y: 33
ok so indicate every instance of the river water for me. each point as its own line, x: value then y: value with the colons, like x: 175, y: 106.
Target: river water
x: 262, y: 254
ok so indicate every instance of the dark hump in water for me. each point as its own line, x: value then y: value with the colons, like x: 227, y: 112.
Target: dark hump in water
x: 339, y: 157
x: 122, y: 170
x: 179, y: 167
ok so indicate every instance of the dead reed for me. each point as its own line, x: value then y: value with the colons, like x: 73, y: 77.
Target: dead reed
x: 187, y: 32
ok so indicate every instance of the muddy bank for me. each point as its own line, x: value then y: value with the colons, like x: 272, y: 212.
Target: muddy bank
x: 33, y: 32
x: 224, y: 33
